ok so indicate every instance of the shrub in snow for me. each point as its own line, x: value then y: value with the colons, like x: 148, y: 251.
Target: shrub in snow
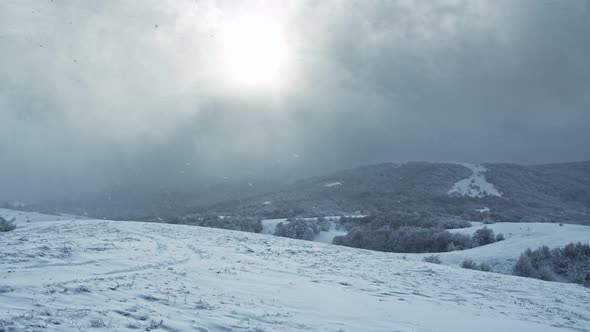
x: 570, y: 263
x: 470, y: 264
x: 535, y: 264
x: 5, y: 289
x: 524, y: 266
x: 154, y: 325
x: 499, y: 237
x: 7, y: 225
x: 484, y: 267
x: 435, y: 259
x: 484, y: 236
x: 97, y: 323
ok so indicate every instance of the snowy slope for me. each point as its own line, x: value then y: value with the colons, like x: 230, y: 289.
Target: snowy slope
x: 475, y: 185
x: 21, y: 217
x: 78, y: 275
x: 519, y: 236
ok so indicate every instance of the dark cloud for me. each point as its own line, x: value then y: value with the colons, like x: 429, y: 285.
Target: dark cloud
x: 94, y: 95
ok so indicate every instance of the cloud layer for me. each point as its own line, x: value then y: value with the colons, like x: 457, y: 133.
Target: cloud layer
x: 94, y: 95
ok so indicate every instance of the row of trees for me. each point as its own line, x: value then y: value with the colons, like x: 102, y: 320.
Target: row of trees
x: 416, y: 231
x: 245, y: 224
x: 410, y: 239
x: 570, y: 263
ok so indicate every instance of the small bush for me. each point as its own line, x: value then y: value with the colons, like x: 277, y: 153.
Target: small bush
x: 470, y: 264
x: 97, y: 323
x: 484, y: 267
x: 524, y: 266
x: 435, y: 259
x: 500, y: 237
x: 5, y: 289
x: 484, y: 236
x: 7, y: 225
x: 154, y: 325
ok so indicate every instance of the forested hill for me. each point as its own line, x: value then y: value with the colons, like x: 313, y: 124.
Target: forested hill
x: 502, y: 192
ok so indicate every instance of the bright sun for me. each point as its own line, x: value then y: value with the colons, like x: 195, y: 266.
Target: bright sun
x: 254, y: 49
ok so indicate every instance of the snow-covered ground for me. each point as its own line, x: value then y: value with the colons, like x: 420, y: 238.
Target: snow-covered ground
x: 117, y: 276
x: 475, y: 185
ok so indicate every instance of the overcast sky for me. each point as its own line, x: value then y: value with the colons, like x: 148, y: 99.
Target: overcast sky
x: 98, y: 93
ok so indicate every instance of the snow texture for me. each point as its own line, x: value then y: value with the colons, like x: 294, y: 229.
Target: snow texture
x: 73, y: 275
x: 476, y: 185
x: 332, y: 184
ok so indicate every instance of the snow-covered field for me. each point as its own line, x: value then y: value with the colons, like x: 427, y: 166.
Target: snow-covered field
x: 475, y: 185
x: 104, y: 275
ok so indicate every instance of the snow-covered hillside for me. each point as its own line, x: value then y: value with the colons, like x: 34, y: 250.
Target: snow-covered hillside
x: 21, y: 217
x: 502, y: 255
x: 475, y: 185
x: 103, y: 275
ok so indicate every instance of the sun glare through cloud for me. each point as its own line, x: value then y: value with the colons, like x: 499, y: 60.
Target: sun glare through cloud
x: 254, y: 49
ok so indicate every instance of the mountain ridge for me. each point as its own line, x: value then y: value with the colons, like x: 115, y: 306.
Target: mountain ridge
x: 546, y: 193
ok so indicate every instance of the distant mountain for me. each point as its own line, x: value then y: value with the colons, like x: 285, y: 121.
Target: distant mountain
x: 502, y: 192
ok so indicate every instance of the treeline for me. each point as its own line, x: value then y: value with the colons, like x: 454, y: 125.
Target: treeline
x: 396, y: 219
x: 237, y: 223
x: 407, y: 239
x: 411, y: 233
